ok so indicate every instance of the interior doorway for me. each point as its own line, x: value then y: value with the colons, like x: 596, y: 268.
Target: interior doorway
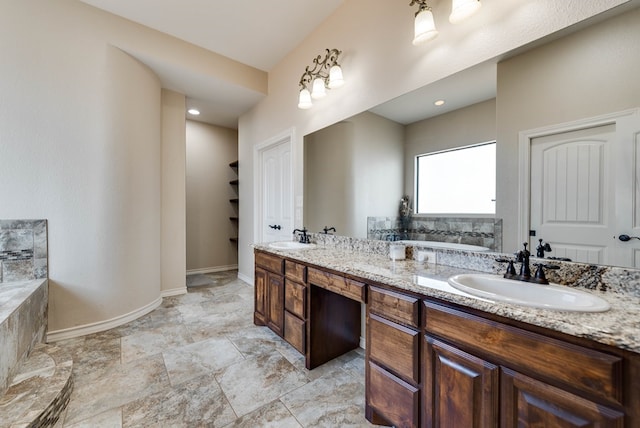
x: 582, y: 189
x: 274, y: 217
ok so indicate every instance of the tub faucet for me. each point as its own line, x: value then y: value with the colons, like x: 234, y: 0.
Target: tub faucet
x: 304, y: 238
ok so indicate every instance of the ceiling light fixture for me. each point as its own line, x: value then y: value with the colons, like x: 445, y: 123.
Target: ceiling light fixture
x: 326, y: 73
x: 424, y: 26
x: 462, y: 9
x: 193, y: 111
x: 439, y: 103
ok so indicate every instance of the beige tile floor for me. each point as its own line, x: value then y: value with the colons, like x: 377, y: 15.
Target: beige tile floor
x: 198, y: 361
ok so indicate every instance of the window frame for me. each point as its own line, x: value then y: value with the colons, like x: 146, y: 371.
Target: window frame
x: 416, y: 183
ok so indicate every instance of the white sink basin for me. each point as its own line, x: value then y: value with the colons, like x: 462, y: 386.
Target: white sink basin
x: 290, y: 245
x: 551, y: 296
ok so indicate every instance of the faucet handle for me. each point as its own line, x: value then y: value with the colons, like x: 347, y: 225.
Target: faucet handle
x: 511, y: 270
x: 539, y: 276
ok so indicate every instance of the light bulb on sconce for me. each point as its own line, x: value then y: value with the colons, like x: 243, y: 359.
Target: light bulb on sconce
x: 335, y: 77
x: 304, y: 99
x: 462, y: 9
x: 325, y: 73
x: 318, y: 90
x: 424, y: 24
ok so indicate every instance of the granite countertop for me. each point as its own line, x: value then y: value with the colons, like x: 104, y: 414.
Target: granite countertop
x: 619, y: 326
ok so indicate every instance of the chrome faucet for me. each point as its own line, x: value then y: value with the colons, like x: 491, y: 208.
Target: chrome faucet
x: 304, y: 238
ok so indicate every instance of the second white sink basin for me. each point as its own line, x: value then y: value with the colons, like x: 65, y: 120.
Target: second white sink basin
x: 290, y: 245
x: 551, y: 296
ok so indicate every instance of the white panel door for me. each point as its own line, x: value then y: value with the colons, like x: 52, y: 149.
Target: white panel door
x: 585, y: 193
x: 627, y: 192
x: 277, y: 223
x: 573, y: 201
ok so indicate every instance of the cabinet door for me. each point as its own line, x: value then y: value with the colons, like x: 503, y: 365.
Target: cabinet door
x: 260, y: 295
x: 275, y: 308
x: 460, y: 390
x: 528, y: 403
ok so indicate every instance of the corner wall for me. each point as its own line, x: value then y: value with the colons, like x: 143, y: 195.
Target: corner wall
x: 173, y: 216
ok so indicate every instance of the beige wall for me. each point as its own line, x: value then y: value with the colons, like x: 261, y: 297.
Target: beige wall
x: 589, y: 73
x: 210, y: 150
x: 173, y: 215
x: 462, y: 127
x: 379, y: 65
x: 352, y: 170
x: 81, y: 144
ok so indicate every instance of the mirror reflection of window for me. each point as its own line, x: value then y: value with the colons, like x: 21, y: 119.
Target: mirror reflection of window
x: 457, y: 181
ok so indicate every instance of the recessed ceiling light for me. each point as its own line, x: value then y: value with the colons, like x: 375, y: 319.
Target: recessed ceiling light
x: 439, y: 103
x: 193, y: 111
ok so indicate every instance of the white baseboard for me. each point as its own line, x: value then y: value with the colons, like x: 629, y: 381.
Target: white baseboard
x: 245, y: 278
x: 363, y: 343
x: 212, y: 269
x: 173, y: 292
x: 83, y: 330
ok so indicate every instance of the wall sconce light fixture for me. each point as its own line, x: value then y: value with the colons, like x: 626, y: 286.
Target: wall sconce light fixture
x: 326, y: 73
x: 424, y: 25
x: 462, y: 9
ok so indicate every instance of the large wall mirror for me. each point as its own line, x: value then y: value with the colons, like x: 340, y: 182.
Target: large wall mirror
x: 362, y: 166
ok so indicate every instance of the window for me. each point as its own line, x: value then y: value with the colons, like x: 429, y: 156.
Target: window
x: 457, y: 181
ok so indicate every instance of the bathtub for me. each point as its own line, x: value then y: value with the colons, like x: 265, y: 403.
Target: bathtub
x: 23, y: 323
x: 444, y: 245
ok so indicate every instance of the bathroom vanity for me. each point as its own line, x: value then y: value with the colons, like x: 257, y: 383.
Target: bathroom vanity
x: 435, y: 358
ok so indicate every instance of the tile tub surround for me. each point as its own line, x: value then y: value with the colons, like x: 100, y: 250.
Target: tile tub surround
x: 23, y: 323
x: 485, y: 231
x: 23, y: 250
x: 619, y: 327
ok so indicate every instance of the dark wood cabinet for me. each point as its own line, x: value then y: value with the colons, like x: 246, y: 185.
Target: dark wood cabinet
x: 460, y: 390
x: 481, y: 373
x: 275, y: 307
x: 260, y: 297
x: 269, y: 292
x: 393, y: 359
x: 438, y: 365
x: 295, y: 305
x: 529, y: 403
x: 390, y: 399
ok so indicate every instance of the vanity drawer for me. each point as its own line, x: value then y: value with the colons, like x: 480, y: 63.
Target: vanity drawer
x: 394, y: 346
x: 394, y: 399
x: 295, y: 271
x: 550, y: 359
x: 395, y: 306
x: 345, y: 287
x: 295, y: 331
x: 295, y: 298
x: 270, y: 262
